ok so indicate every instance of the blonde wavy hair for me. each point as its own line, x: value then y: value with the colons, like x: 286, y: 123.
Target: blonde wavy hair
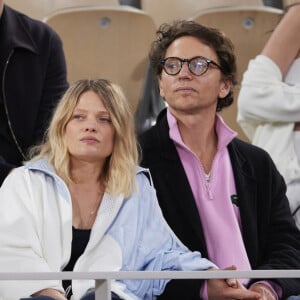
x: 120, y: 169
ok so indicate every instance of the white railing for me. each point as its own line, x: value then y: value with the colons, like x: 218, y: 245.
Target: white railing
x: 103, y: 279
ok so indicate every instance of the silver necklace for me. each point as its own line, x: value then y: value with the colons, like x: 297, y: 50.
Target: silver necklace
x: 92, y: 212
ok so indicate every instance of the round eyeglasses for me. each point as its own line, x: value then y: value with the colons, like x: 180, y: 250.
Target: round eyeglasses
x: 197, y: 65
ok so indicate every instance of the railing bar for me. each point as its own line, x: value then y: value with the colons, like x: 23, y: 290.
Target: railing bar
x: 150, y: 275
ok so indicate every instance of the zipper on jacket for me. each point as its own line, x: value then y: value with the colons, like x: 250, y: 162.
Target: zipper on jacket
x: 207, y: 178
x: 6, y: 108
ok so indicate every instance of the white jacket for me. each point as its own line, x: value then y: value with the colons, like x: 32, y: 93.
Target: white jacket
x: 268, y: 107
x: 128, y: 234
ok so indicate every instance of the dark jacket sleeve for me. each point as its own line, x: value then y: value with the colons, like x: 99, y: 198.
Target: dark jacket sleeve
x: 271, y: 237
x: 54, y: 85
x: 36, y: 63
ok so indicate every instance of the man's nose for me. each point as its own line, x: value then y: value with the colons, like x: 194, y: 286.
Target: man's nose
x: 185, y: 71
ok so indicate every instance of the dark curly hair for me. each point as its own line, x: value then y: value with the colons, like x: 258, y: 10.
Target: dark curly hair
x: 212, y: 37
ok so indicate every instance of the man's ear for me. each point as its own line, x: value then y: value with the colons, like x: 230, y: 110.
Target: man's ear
x: 161, y: 88
x: 225, y: 87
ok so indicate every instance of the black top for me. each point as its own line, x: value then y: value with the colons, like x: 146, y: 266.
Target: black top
x: 79, y: 242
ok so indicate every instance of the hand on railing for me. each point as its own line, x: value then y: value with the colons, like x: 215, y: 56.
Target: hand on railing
x: 230, y: 289
x: 265, y: 291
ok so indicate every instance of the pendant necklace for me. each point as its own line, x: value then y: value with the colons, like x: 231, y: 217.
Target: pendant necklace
x: 92, y: 212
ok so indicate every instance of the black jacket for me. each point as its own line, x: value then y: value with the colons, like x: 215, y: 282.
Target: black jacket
x: 32, y: 80
x: 271, y: 237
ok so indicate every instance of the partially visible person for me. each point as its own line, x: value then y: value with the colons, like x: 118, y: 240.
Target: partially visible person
x: 220, y: 195
x: 269, y: 102
x: 33, y: 79
x: 83, y: 204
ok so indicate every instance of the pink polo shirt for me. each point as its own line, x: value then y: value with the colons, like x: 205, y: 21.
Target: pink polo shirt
x: 215, y: 197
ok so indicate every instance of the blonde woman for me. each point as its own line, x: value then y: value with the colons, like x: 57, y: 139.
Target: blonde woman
x: 82, y: 204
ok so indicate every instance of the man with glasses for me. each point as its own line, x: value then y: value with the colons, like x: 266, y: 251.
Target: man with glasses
x: 220, y: 195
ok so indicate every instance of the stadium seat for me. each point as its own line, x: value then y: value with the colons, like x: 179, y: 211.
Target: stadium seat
x: 38, y: 9
x: 106, y: 42
x: 168, y: 10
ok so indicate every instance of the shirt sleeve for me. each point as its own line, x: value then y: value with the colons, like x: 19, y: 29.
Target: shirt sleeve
x: 20, y: 247
x: 275, y: 288
x: 265, y: 96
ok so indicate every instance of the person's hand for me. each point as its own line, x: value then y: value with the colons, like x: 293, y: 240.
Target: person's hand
x: 265, y: 292
x: 229, y: 289
x: 233, y: 282
x: 55, y: 294
x: 219, y: 289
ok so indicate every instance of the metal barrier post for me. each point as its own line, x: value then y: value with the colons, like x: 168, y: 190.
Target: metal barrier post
x: 102, y: 289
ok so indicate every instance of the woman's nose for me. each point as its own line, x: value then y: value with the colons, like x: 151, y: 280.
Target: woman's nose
x: 90, y: 129
x: 90, y: 126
